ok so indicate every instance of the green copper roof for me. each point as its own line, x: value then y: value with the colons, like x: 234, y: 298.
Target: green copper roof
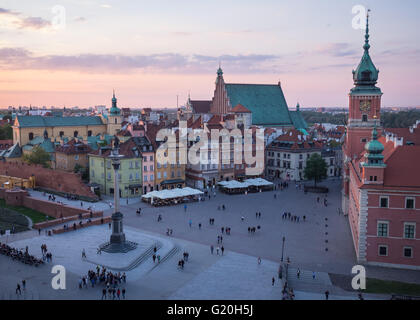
x: 13, y: 152
x: 39, y: 121
x: 297, y: 119
x: 374, y: 146
x: 366, y: 73
x: 266, y: 102
x: 114, y: 109
x: 374, y: 149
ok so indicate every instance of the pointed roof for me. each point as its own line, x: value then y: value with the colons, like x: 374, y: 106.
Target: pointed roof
x: 266, y: 102
x: 366, y: 75
x: 240, y: 109
x: 114, y: 109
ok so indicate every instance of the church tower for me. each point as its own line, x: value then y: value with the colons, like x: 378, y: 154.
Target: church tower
x: 114, y: 117
x: 220, y: 102
x: 364, y: 113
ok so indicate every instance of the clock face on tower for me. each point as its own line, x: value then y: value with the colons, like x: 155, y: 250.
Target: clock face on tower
x: 365, y: 105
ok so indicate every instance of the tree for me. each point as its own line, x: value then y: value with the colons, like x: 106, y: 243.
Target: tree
x: 38, y: 156
x: 6, y: 132
x: 316, y: 168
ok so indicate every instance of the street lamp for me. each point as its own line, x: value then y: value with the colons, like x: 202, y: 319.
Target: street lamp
x: 282, y: 249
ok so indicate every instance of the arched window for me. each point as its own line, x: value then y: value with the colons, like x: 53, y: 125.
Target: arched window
x: 76, y: 134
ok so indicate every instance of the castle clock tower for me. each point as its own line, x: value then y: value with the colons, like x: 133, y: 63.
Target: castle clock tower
x: 364, y: 113
x: 364, y: 103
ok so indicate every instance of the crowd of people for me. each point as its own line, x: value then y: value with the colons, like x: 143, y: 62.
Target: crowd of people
x: 113, y: 283
x: 20, y: 255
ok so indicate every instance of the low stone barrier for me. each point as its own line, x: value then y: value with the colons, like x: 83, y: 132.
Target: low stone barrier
x: 49, y: 224
x: 94, y: 222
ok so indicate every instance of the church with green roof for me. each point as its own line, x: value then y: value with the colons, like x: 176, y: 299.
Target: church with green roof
x: 265, y: 101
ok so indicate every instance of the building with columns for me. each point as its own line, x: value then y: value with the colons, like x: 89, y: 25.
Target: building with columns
x: 381, y: 177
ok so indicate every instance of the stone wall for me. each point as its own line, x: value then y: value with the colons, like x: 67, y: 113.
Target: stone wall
x: 67, y: 182
x: 52, y: 209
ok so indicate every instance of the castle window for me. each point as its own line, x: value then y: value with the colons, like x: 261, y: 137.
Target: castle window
x: 61, y: 134
x: 89, y: 133
x: 383, y: 202
x: 31, y: 135
x: 115, y: 120
x: 383, y: 250
x: 365, y: 118
x: 75, y: 134
x: 408, y: 252
x: 383, y: 228
x: 409, y: 203
x: 409, y: 230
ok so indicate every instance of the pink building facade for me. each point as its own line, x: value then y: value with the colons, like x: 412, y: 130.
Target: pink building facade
x: 381, y: 178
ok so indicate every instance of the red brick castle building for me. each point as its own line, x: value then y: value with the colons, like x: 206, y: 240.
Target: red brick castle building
x: 381, y: 182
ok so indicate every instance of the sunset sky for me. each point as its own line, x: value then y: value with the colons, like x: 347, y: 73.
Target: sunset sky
x: 152, y: 51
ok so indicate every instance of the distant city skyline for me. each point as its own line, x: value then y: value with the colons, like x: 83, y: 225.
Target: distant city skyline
x: 152, y: 52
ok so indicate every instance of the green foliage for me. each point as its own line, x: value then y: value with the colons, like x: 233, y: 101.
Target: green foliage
x: 334, y: 144
x: 103, y: 143
x: 403, y: 119
x: 6, y: 132
x: 312, y: 117
x: 8, y: 117
x: 38, y: 156
x: 82, y: 170
x: 316, y: 168
x: 34, y: 215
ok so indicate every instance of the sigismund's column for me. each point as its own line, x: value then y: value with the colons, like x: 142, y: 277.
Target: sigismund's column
x: 117, y: 236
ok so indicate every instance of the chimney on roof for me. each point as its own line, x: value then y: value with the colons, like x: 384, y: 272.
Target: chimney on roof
x: 279, y: 83
x: 398, y: 142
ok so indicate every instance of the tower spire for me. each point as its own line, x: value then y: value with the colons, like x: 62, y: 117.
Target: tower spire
x: 367, y: 45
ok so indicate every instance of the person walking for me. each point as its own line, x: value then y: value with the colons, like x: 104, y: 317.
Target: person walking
x: 217, y: 250
x: 211, y: 249
x: 313, y: 275
x: 190, y: 223
x: 223, y: 249
x: 273, y: 280
x: 327, y: 293
x: 259, y: 260
x: 18, y: 289
x: 24, y: 284
x: 103, y: 294
x: 298, y: 273
x: 123, y: 293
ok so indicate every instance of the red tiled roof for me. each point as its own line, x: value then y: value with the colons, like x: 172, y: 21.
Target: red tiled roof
x: 124, y: 133
x: 216, y: 119
x: 405, y: 133
x: 73, y: 147
x: 402, y: 167
x: 229, y: 116
x: 196, y: 124
x: 240, y: 109
x: 200, y: 106
x: 126, y: 149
